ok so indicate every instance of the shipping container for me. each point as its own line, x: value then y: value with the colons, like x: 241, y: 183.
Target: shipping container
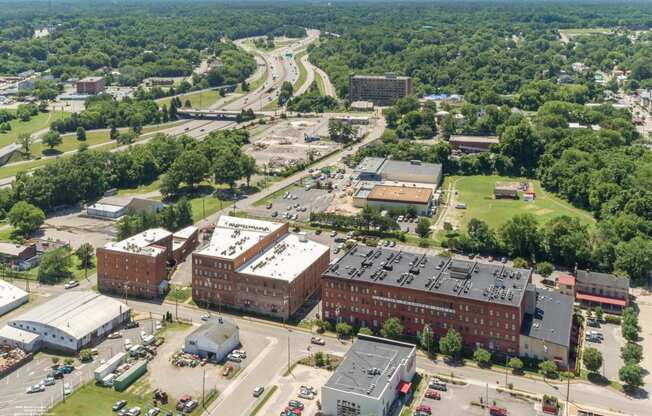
x: 128, y: 377
x: 110, y: 366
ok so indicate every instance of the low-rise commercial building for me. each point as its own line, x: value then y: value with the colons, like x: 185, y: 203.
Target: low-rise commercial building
x: 373, y: 379
x: 382, y: 90
x: 473, y: 144
x: 114, y: 207
x: 11, y: 297
x: 68, y: 322
x: 383, y: 169
x: 400, y: 197
x: 483, y: 302
x: 136, y: 266
x: 91, y: 85
x: 257, y: 266
x: 606, y: 290
x: 214, y: 339
x: 14, y: 254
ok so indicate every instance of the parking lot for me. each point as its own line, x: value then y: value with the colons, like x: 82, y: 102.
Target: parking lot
x: 289, y: 387
x: 456, y: 401
x: 77, y: 229
x: 13, y: 397
x: 609, y: 347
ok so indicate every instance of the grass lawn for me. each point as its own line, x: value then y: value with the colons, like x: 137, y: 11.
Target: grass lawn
x: 141, y: 189
x: 303, y: 72
x: 6, y: 233
x: 36, y: 123
x: 199, y: 99
x: 320, y: 84
x: 181, y: 293
x: 477, y: 193
x: 204, y: 206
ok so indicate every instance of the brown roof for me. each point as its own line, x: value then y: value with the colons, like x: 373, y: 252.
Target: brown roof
x: 407, y: 194
x: 474, y: 139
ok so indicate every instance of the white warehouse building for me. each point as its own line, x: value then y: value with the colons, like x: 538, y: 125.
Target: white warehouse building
x: 373, y: 379
x: 214, y: 340
x: 11, y: 297
x: 68, y: 322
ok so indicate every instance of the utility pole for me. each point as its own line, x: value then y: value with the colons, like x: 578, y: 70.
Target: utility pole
x: 176, y: 302
x: 506, y: 361
x: 289, y: 372
x: 567, y: 393
x: 487, y: 393
x: 203, y: 389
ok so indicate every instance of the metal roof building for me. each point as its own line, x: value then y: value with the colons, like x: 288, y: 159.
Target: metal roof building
x: 11, y: 297
x: 73, y: 320
x: 214, y: 340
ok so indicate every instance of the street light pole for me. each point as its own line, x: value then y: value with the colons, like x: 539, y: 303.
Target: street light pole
x: 203, y: 389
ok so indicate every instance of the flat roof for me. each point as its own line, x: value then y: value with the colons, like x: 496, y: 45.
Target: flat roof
x: 552, y: 318
x: 106, y: 208
x: 475, y: 139
x: 386, y: 76
x: 186, y: 233
x: 604, y: 279
x: 90, y: 79
x: 17, y: 335
x: 391, y: 167
x: 493, y: 283
x: 406, y: 194
x: 10, y: 293
x: 601, y: 299
x: 369, y: 365
x: 233, y: 236
x: 141, y: 243
x: 77, y: 313
x: 370, y: 165
x: 285, y: 259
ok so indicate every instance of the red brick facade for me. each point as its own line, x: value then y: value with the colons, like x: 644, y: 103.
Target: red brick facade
x: 132, y: 273
x: 490, y: 325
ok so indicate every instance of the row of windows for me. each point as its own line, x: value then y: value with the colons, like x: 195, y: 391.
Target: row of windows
x: 215, y: 264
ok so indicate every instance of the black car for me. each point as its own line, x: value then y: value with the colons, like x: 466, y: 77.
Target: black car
x: 132, y: 324
x: 119, y: 405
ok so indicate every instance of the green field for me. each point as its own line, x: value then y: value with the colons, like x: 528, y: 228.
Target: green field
x: 303, y: 72
x: 199, y: 99
x: 36, y: 123
x: 477, y: 193
x: 320, y: 84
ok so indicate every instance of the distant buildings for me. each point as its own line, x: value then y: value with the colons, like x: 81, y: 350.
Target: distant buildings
x: 401, y: 197
x: 136, y: 266
x: 214, y: 339
x: 68, y: 322
x: 473, y: 144
x: 490, y: 305
x: 373, y: 379
x: 257, y: 266
x: 380, y: 90
x: 383, y: 169
x: 91, y: 85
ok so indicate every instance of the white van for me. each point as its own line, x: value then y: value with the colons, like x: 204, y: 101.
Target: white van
x: 133, y: 351
x: 108, y: 380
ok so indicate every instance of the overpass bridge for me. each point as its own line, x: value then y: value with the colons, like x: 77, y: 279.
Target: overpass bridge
x: 214, y: 114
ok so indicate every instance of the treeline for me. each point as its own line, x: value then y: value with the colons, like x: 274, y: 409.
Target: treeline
x: 312, y: 102
x: 171, y: 217
x: 368, y: 219
x: 104, y: 111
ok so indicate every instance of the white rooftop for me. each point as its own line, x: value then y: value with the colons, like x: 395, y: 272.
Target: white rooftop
x: 141, y: 243
x: 10, y: 294
x: 106, y: 207
x: 18, y: 335
x: 77, y: 313
x: 186, y: 233
x: 286, y: 259
x: 233, y: 236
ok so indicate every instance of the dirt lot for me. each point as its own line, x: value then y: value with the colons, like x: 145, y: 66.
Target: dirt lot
x: 77, y: 229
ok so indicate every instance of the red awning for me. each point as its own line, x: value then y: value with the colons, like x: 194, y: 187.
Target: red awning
x: 601, y: 299
x: 404, y: 387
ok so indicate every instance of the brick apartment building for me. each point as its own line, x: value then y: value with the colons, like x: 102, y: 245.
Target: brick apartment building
x: 257, y: 266
x: 91, y: 85
x: 136, y: 266
x: 490, y: 305
x: 382, y: 90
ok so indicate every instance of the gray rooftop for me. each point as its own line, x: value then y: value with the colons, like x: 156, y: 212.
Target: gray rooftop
x: 552, y: 318
x: 391, y: 167
x: 602, y: 279
x: 494, y: 283
x: 370, y: 165
x: 218, y: 330
x: 369, y: 365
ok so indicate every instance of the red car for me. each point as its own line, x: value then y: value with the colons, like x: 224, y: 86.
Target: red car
x: 497, y: 411
x: 432, y: 394
x: 292, y: 410
x: 424, y: 409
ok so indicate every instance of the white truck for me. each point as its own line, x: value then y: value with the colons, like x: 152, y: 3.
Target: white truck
x: 109, y: 367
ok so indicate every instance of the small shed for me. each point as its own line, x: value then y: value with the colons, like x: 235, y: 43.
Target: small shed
x: 214, y: 340
x: 506, y: 190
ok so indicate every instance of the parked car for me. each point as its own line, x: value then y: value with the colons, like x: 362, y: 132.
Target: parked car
x: 205, y: 317
x: 67, y: 369
x: 227, y: 370
x: 333, y: 233
x: 437, y: 385
x: 132, y: 324
x: 241, y: 353
x: 317, y: 341
x: 153, y: 411
x: 134, y: 411
x: 497, y: 411
x: 258, y: 391
x: 115, y: 335
x: 67, y: 389
x: 48, y: 381
x: 36, y: 388
x: 119, y: 405
x: 71, y: 284
x: 424, y: 408
x: 190, y: 406
x: 432, y: 394
x: 295, y: 404
x: 274, y: 214
x: 269, y: 205
x: 234, y: 357
x: 392, y: 243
